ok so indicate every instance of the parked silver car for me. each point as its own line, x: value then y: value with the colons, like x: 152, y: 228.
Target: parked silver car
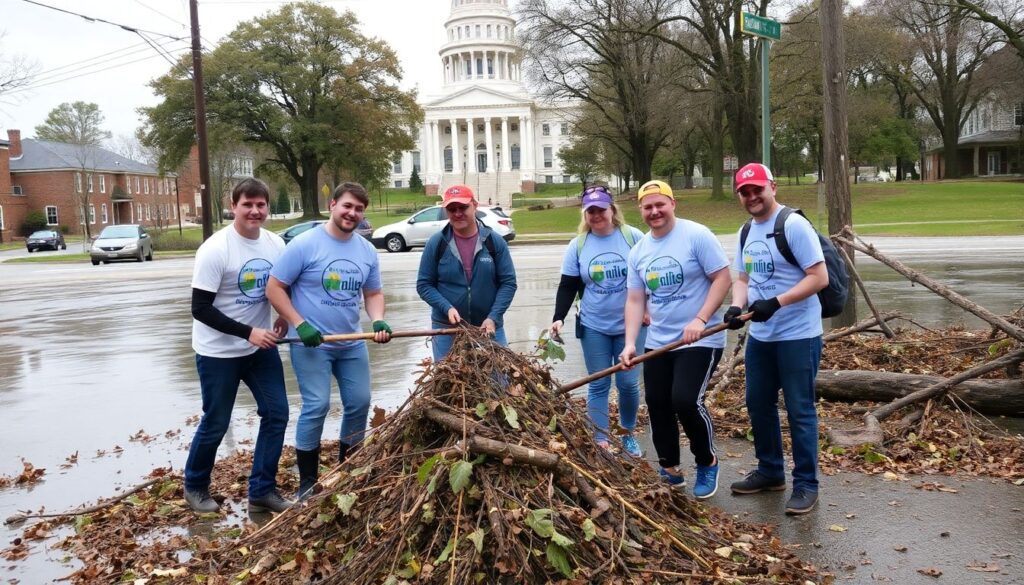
x: 417, y: 229
x: 121, y: 242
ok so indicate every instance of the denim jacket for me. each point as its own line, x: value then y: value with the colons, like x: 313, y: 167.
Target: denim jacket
x: 443, y: 284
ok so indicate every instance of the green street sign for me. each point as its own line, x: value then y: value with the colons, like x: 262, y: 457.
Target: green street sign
x: 760, y: 26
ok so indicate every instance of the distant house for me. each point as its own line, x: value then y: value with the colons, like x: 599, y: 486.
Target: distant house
x: 992, y: 136
x: 56, y: 179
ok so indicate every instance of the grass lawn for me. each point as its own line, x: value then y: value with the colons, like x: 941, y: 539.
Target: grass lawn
x: 986, y: 204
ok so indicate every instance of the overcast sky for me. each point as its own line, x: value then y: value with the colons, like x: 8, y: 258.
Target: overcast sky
x: 96, y: 62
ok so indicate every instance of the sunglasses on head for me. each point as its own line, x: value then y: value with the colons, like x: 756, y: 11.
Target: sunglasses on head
x: 596, y: 189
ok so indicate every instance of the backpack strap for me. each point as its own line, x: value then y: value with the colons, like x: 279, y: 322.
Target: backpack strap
x: 780, y: 234
x: 744, y: 233
x: 580, y: 241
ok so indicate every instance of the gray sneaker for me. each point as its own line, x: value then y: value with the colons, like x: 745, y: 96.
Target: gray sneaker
x: 272, y: 502
x: 201, y: 501
x: 801, y: 502
x: 754, y: 482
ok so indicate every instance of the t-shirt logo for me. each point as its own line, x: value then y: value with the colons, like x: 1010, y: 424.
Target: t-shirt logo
x: 252, y: 278
x: 342, y: 280
x: 608, y: 271
x: 664, y: 276
x: 758, y: 262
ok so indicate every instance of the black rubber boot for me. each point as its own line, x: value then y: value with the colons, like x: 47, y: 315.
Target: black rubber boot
x: 342, y: 451
x: 309, y: 469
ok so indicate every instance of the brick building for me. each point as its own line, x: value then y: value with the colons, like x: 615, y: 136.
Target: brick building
x: 74, y: 186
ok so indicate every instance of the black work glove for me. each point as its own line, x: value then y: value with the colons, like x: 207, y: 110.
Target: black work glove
x: 764, y: 309
x: 731, y: 317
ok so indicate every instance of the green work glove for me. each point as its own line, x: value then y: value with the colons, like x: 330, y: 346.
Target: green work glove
x: 309, y: 335
x: 381, y: 325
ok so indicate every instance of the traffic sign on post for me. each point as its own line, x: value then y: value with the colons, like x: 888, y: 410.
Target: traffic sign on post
x: 759, y: 26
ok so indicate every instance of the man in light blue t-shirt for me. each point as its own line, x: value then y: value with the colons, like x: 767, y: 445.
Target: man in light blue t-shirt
x: 680, y: 273
x: 784, y: 345
x: 317, y: 286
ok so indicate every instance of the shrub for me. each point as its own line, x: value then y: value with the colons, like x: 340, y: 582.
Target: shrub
x: 415, y: 183
x: 170, y: 240
x: 34, y: 221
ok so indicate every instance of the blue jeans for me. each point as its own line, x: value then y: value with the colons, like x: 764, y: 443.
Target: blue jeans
x: 442, y: 344
x: 601, y: 351
x: 218, y: 379
x: 314, y: 367
x: 792, y: 366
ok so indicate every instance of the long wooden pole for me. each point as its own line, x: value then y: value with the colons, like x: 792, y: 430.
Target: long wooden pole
x: 646, y: 356
x: 370, y: 335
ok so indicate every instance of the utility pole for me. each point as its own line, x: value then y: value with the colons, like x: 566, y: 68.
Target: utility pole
x: 836, y: 163
x: 204, y: 154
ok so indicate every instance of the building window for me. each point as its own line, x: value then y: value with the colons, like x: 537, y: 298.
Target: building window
x: 566, y: 178
x: 92, y: 214
x: 398, y: 184
x: 1, y: 218
x: 149, y: 214
x: 103, y: 183
x: 477, y: 31
x: 78, y: 182
x: 17, y: 190
x: 515, y: 157
x: 447, y: 129
x: 469, y: 68
x: 549, y: 179
x: 137, y: 188
x: 488, y: 31
x: 138, y: 212
x: 159, y: 187
x: 479, y: 66
x: 145, y: 186
x: 548, y: 157
x: 563, y: 129
x: 1018, y: 114
x: 479, y: 127
x: 396, y: 165
x: 545, y: 129
x: 490, y: 67
x: 88, y: 182
x: 103, y: 213
x: 416, y: 162
x: 467, y: 31
x: 51, y: 215
x: 128, y: 185
x: 448, y: 160
x: 514, y: 126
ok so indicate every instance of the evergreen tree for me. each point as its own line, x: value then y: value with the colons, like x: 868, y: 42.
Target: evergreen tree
x: 415, y: 183
x: 284, y: 203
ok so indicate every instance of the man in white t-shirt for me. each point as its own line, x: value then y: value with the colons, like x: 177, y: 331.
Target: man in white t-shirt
x: 680, y: 273
x: 784, y: 344
x: 234, y: 342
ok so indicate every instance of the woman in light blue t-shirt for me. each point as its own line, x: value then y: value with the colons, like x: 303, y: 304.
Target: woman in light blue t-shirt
x: 594, y: 268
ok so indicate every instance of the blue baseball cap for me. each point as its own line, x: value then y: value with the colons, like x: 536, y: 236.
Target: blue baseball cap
x: 597, y: 196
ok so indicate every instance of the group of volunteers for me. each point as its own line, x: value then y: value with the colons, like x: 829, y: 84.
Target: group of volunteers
x: 636, y: 293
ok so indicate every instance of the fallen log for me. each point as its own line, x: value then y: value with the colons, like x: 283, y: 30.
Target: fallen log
x: 996, y: 397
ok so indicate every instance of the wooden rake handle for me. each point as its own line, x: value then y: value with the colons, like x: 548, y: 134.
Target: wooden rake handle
x: 370, y: 335
x: 646, y: 356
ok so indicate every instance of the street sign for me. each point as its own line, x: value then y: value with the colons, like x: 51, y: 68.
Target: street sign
x: 760, y: 26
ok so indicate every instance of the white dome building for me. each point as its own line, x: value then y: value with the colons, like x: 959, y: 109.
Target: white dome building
x: 484, y: 129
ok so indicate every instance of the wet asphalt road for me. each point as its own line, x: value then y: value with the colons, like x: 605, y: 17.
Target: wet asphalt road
x: 91, y: 355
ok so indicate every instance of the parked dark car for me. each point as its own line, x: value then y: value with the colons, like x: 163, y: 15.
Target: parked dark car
x: 364, y: 229
x: 122, y: 242
x: 45, y: 240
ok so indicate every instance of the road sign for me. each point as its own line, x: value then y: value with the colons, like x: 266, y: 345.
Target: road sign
x: 759, y: 26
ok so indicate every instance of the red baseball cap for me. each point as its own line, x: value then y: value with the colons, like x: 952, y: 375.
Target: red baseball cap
x: 458, y: 194
x: 754, y: 174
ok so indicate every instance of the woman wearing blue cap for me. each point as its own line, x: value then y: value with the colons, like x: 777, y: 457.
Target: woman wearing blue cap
x: 594, y: 268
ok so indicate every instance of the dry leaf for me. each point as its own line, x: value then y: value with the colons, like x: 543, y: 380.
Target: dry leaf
x: 930, y: 571
x: 986, y: 568
x: 838, y: 528
x: 378, y: 417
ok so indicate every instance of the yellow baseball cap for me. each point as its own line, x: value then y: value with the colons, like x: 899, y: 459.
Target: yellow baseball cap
x: 654, y: 188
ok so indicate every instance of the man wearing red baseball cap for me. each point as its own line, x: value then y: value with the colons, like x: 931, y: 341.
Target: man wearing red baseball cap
x: 465, y: 257
x: 784, y: 345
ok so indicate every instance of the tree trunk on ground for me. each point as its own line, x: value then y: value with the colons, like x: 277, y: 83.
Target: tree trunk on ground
x: 992, y: 397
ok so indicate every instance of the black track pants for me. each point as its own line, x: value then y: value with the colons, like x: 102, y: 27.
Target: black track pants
x: 675, y: 384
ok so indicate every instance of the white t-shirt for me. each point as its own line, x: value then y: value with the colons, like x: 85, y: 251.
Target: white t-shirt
x: 674, y: 272
x: 236, y: 269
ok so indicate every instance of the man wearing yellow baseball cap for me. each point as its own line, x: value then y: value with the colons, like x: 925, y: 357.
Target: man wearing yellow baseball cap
x: 679, y: 273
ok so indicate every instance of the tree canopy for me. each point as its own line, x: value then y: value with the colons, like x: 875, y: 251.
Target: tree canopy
x: 304, y: 83
x: 77, y: 123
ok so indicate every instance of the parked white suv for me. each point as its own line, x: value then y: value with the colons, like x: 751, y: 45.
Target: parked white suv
x: 417, y: 229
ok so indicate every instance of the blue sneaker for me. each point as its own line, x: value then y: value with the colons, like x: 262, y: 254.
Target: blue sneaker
x: 707, y: 481
x: 630, y: 445
x: 673, y: 478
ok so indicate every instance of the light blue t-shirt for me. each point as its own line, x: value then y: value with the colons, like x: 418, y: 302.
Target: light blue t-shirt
x: 327, y: 278
x: 674, y: 272
x: 602, y: 266
x: 770, y: 274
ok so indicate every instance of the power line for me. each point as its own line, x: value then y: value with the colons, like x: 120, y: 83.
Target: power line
x: 165, y: 15
x: 63, y: 79
x: 95, y: 19
x: 85, y: 63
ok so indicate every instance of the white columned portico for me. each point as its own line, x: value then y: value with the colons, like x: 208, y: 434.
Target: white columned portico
x: 488, y: 136
x: 470, y: 147
x: 505, y: 150
x: 527, y: 151
x: 425, y: 155
x: 456, y: 153
x: 438, y: 153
